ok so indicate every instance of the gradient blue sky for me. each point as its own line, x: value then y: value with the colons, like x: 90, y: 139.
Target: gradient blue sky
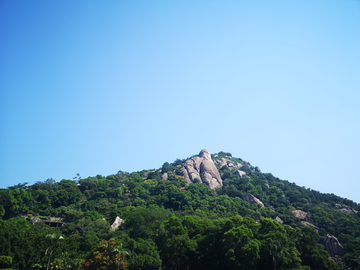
x: 93, y: 87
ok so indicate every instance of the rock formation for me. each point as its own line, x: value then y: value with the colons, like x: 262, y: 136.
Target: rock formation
x: 332, y: 245
x: 308, y: 224
x: 300, y: 215
x: 349, y: 211
x: 164, y: 176
x: 257, y: 169
x: 230, y: 164
x: 279, y: 220
x: 203, y: 168
x: 252, y: 199
x: 240, y: 173
x: 146, y: 173
x: 116, y: 223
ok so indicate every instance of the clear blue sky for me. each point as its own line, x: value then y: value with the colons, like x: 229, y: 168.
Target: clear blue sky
x: 93, y: 87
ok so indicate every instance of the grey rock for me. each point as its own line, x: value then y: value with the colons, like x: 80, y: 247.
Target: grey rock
x: 186, y: 176
x: 227, y: 162
x: 251, y: 199
x: 267, y: 185
x: 308, y: 224
x: 117, y: 223
x: 349, y: 211
x: 332, y: 245
x: 279, y: 220
x: 346, y: 211
x: 164, y: 176
x: 147, y: 173
x: 203, y: 168
x: 240, y: 173
x: 300, y: 215
x: 257, y: 169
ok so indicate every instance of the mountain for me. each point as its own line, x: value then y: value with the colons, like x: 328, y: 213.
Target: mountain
x: 209, y: 211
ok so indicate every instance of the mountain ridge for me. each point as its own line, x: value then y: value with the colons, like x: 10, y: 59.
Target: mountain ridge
x: 144, y: 201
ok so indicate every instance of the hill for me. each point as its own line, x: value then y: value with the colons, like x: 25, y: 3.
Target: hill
x: 204, y: 212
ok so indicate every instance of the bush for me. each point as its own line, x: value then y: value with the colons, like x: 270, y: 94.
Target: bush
x: 5, y: 261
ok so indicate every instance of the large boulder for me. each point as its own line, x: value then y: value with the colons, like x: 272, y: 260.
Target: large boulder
x: 203, y: 168
x: 308, y: 224
x: 164, y: 176
x: 300, y: 215
x: 251, y: 199
x: 349, y: 211
x: 332, y: 245
x: 278, y: 219
x: 116, y: 223
x: 240, y: 173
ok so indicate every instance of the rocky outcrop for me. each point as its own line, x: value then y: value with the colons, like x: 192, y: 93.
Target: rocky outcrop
x: 240, y: 173
x: 345, y: 209
x: 251, y: 199
x: 332, y: 245
x: 279, y: 220
x: 147, y: 173
x: 308, y: 224
x: 230, y: 164
x: 349, y: 211
x: 203, y: 168
x: 257, y: 169
x: 117, y: 223
x: 300, y: 215
x: 164, y: 176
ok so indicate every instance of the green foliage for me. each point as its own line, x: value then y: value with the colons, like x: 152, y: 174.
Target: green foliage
x: 177, y: 226
x: 5, y: 261
x: 144, y: 255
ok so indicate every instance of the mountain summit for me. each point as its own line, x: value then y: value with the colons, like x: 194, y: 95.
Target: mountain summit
x: 202, y: 168
x: 209, y: 211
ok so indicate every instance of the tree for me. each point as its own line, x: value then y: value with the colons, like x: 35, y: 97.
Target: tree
x: 277, y: 250
x: 121, y: 254
x: 52, y: 240
x: 107, y: 255
x: 241, y: 249
x: 179, y: 247
x: 144, y: 255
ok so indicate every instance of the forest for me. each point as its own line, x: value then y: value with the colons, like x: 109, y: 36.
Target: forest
x: 171, y: 224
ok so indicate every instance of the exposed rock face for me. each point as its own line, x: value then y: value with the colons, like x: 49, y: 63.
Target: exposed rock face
x: 332, y: 245
x: 300, y: 215
x: 227, y: 162
x: 146, y: 174
x: 305, y: 223
x: 279, y: 220
x: 257, y: 169
x: 252, y: 199
x: 347, y: 210
x: 240, y: 173
x: 164, y: 176
x: 267, y: 185
x: 116, y: 223
x: 203, y: 168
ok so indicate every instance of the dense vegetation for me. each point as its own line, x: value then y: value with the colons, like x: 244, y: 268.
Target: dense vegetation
x: 169, y: 226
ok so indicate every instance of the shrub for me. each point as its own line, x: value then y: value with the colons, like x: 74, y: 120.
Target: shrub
x: 5, y: 261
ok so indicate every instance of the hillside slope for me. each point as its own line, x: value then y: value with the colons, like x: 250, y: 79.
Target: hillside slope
x: 204, y: 212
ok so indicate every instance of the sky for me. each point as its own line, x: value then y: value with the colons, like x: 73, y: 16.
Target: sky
x: 94, y: 87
